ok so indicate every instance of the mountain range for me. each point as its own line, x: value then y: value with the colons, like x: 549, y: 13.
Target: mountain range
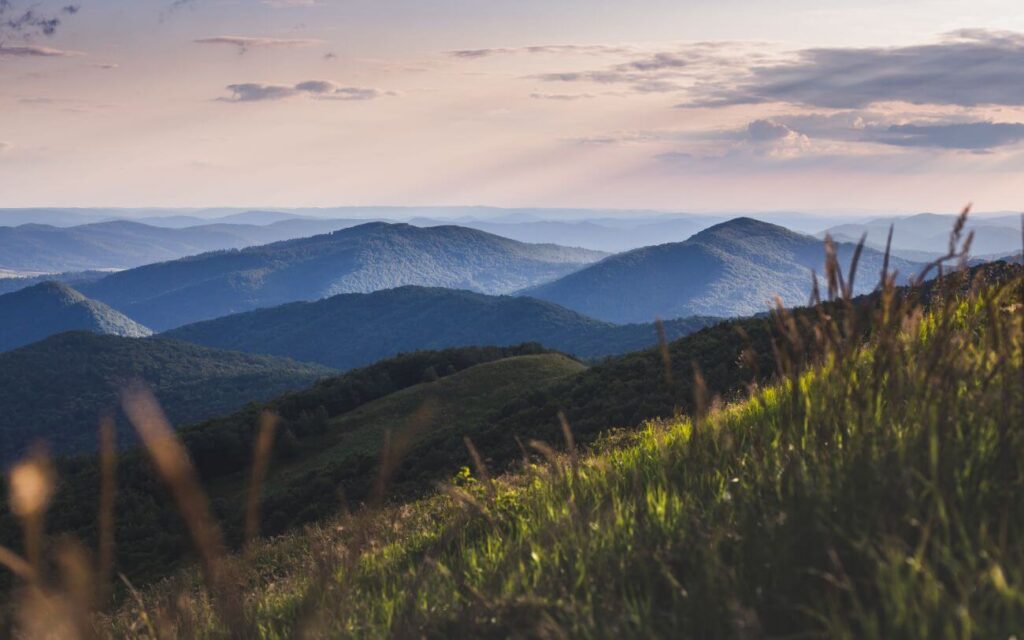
x: 52, y: 307
x: 365, y: 258
x: 122, y: 244
x: 70, y: 278
x: 612, y: 235
x: 57, y: 389
x: 736, y: 268
x: 351, y: 330
x: 925, y: 236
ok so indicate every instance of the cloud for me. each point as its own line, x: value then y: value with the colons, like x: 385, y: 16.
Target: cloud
x: 30, y: 22
x: 244, y: 43
x: 673, y: 70
x: 638, y: 82
x: 317, y: 89
x: 5, y: 146
x: 33, y: 51
x: 252, y: 92
x: 970, y: 136
x: 960, y: 133
x: 565, y: 97
x: 765, y: 130
x: 967, y: 68
x: 579, y: 49
x: 657, y: 62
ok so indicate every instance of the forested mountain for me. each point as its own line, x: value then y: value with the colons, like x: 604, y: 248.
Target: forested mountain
x: 610, y: 234
x: 365, y: 258
x: 51, y: 307
x: 352, y: 330
x: 57, y: 389
x: 735, y: 268
x: 122, y: 244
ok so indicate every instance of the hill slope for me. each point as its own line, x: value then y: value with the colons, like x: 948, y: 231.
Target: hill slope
x: 361, y: 259
x: 732, y: 269
x: 351, y: 330
x: 883, y: 508
x: 299, y: 486
x: 221, y: 448
x: 51, y: 307
x: 57, y: 389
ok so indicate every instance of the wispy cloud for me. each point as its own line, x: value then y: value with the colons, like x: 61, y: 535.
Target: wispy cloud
x: 675, y: 69
x: 564, y: 97
x: 577, y: 49
x: 34, y: 51
x: 972, y: 136
x: 245, y: 43
x: 966, y: 68
x: 317, y: 89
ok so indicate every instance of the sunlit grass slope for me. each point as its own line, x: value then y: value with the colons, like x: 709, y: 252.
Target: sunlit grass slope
x: 875, y: 494
x: 456, y: 404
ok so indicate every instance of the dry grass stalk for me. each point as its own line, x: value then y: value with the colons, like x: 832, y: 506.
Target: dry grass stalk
x: 108, y: 471
x: 260, y: 464
x: 172, y: 463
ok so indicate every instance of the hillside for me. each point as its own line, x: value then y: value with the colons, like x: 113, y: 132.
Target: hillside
x: 299, y: 487
x: 51, y: 307
x: 56, y: 390
x: 221, y: 448
x: 815, y: 508
x: 736, y: 268
x: 122, y: 244
x: 361, y: 259
x: 351, y: 330
x: 622, y: 391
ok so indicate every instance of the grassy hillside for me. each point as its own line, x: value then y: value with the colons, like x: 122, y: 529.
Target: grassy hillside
x: 57, y: 389
x: 321, y: 472
x: 150, y: 540
x: 353, y: 330
x: 736, y: 268
x: 366, y: 258
x: 874, y: 494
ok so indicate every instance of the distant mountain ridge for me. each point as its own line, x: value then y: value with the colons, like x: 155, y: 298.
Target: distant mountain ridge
x: 735, y: 268
x: 52, y: 307
x: 351, y: 330
x: 603, y: 235
x: 360, y: 259
x: 70, y: 278
x: 123, y: 244
x: 926, y: 235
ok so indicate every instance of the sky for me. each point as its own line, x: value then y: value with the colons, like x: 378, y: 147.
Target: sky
x: 700, y: 105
